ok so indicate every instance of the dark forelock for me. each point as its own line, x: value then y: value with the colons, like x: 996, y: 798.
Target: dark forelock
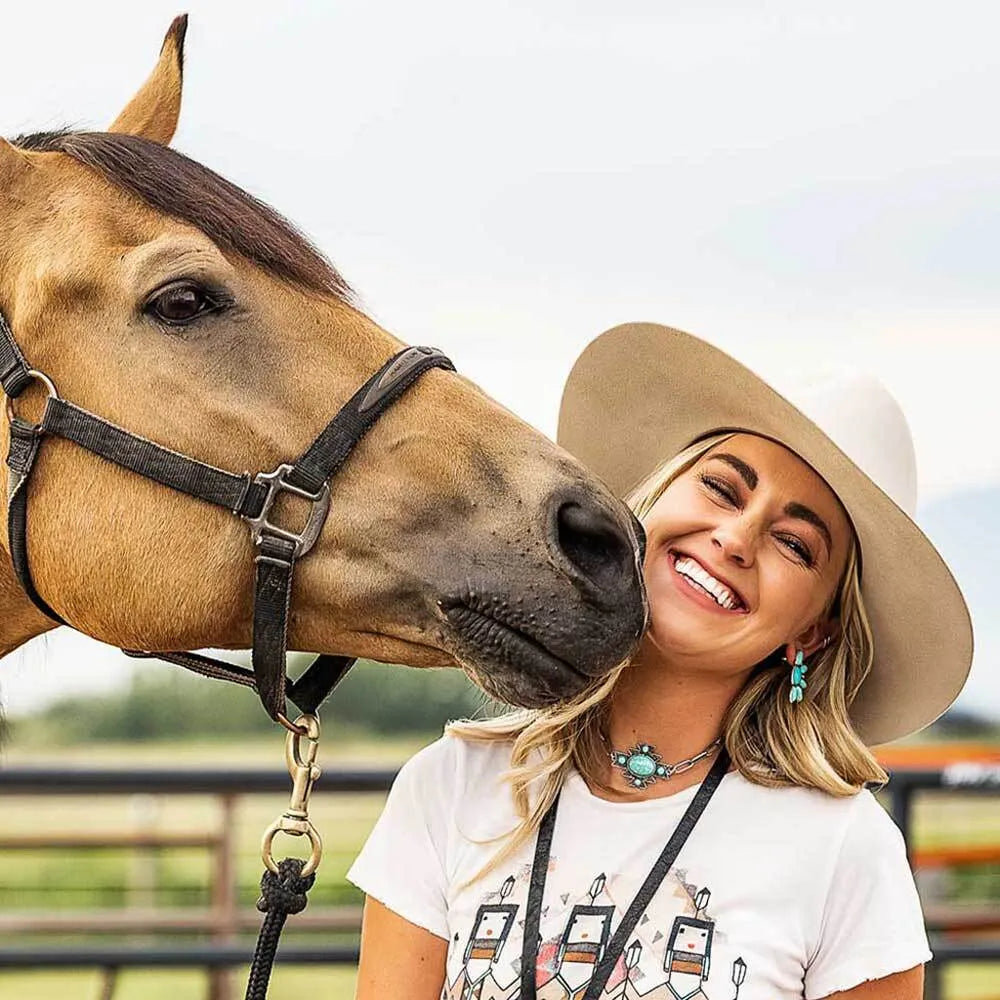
x: 180, y: 187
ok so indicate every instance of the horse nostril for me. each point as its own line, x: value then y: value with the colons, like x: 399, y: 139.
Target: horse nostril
x: 595, y: 545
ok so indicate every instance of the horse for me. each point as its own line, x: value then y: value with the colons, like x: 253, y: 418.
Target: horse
x: 159, y: 295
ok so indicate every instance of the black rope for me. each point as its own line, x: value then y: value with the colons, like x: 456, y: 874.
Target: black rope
x: 14, y: 377
x: 236, y: 492
x: 280, y: 895
x: 324, y: 457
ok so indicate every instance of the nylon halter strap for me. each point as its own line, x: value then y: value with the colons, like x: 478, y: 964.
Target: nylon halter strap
x: 248, y: 497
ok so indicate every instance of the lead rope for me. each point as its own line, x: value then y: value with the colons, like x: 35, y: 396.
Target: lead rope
x: 284, y: 884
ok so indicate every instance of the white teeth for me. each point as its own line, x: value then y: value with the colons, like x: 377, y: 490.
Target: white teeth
x: 719, y: 591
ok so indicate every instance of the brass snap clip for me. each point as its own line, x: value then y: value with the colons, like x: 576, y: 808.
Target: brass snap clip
x: 301, y: 748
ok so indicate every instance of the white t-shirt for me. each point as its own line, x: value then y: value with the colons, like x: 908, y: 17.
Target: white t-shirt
x: 778, y: 893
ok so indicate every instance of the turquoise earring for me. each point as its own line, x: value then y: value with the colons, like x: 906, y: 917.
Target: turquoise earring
x: 798, y: 678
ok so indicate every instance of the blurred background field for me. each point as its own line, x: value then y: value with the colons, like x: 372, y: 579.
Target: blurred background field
x: 381, y: 716
x: 165, y: 719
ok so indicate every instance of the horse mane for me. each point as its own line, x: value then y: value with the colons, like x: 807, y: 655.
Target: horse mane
x: 181, y: 187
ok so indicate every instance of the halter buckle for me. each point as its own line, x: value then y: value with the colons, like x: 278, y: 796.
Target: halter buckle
x: 277, y: 483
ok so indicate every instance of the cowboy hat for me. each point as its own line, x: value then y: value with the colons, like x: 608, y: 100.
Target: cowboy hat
x: 640, y: 393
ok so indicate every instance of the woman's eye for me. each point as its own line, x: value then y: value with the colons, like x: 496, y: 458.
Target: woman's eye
x: 720, y: 487
x: 797, y: 547
x: 180, y: 304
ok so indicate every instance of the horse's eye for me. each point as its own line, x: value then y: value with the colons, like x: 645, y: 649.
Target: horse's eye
x: 180, y: 304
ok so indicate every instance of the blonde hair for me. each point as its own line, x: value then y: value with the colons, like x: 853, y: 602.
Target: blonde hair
x: 771, y: 741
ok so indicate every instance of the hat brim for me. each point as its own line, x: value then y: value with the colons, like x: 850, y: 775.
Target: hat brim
x: 641, y: 392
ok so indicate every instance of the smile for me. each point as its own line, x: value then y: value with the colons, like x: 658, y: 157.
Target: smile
x: 699, y: 582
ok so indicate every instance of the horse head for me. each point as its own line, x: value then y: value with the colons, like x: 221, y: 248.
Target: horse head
x: 162, y: 297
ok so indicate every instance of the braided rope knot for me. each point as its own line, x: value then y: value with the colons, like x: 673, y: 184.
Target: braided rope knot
x: 285, y: 892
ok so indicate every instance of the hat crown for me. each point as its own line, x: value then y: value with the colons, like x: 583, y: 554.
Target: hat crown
x: 859, y: 414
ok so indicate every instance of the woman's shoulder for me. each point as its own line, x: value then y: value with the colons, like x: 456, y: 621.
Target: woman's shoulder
x: 854, y: 817
x: 454, y: 762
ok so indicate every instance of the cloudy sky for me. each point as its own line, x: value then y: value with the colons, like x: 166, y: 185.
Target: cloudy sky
x: 800, y: 183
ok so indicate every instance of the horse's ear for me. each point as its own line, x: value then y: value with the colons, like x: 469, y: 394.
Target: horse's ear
x: 13, y: 162
x: 154, y: 110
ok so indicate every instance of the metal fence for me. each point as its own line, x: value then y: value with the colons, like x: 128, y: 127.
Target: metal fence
x: 967, y: 777
x: 223, y: 920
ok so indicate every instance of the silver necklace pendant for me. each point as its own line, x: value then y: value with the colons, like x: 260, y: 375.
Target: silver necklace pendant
x: 642, y: 765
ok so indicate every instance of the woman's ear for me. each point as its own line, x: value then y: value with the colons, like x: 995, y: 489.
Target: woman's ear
x: 153, y: 111
x: 817, y: 636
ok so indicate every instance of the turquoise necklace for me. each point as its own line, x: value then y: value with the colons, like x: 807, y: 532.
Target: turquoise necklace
x: 641, y: 765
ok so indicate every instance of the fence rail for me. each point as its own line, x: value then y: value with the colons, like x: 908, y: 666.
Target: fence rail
x: 162, y: 781
x: 224, y: 919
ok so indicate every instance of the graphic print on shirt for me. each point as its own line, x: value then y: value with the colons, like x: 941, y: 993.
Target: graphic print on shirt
x: 489, y: 935
x: 667, y: 959
x: 583, y: 941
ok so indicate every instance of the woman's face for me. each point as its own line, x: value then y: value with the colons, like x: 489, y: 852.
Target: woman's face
x: 756, y: 525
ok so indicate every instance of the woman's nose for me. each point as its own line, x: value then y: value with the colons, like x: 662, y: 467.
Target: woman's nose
x: 734, y: 540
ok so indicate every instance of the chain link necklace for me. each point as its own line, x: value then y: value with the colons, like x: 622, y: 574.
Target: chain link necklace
x: 641, y: 765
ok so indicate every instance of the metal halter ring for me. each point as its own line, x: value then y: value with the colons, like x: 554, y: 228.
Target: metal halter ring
x: 315, y: 845
x: 44, y: 379
x: 291, y: 726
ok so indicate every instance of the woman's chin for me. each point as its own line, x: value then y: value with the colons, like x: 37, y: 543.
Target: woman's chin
x: 679, y: 634
x: 680, y: 625
x: 670, y: 606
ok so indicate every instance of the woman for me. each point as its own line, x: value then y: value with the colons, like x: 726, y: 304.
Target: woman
x: 697, y: 824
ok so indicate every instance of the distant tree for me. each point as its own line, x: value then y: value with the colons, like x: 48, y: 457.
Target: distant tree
x: 391, y: 699
x: 164, y: 702
x: 962, y: 722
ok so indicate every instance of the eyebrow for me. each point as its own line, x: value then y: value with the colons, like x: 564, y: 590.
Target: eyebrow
x: 793, y: 509
x: 804, y: 513
x: 748, y: 472
x: 150, y: 257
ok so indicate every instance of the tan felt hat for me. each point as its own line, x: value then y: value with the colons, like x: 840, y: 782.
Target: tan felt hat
x: 640, y: 393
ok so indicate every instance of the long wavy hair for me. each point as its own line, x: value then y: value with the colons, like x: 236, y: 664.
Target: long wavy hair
x: 771, y: 741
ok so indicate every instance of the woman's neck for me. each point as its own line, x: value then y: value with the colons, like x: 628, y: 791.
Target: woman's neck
x: 677, y: 711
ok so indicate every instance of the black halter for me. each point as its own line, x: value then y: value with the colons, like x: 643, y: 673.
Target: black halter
x: 248, y: 497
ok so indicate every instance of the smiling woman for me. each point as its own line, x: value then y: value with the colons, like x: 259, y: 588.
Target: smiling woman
x: 698, y: 821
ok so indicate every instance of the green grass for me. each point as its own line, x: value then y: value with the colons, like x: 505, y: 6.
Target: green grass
x: 961, y: 982
x: 290, y: 983
x: 341, y: 746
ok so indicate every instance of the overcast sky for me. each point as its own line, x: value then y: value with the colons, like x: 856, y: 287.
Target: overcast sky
x: 799, y: 183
